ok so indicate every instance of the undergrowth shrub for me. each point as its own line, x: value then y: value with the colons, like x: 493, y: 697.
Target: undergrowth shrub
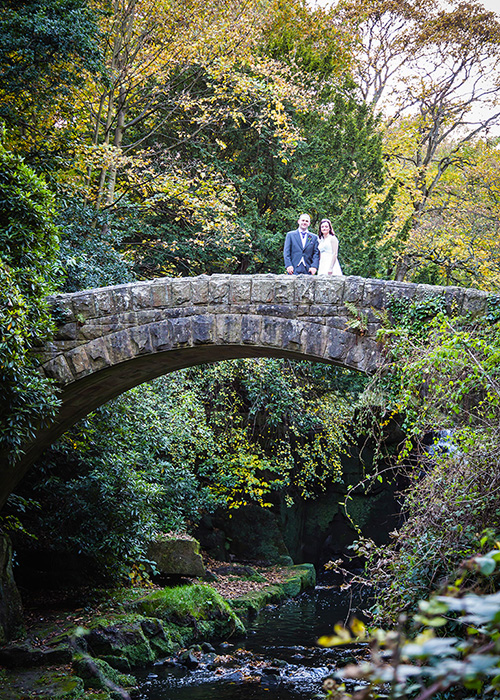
x: 442, y: 377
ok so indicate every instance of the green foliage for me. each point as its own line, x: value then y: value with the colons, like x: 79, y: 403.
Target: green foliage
x: 163, y: 454
x: 277, y: 424
x: 91, y: 252
x: 124, y: 474
x: 456, y: 650
x: 340, y: 168
x: 442, y: 376
x: 255, y: 182
x: 28, y: 272
x: 44, y: 47
x: 413, y: 317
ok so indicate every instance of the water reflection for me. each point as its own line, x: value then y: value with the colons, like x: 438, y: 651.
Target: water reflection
x: 279, y: 657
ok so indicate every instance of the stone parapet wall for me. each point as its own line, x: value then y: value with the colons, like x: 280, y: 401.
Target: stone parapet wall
x: 298, y: 315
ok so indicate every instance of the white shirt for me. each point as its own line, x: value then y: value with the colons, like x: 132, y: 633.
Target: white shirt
x: 303, y: 237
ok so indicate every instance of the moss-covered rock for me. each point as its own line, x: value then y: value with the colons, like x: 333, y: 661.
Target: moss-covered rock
x: 177, y: 555
x: 97, y: 674
x: 198, y: 607
x: 43, y: 684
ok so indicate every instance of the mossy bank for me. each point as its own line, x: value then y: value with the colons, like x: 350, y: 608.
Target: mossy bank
x: 139, y: 626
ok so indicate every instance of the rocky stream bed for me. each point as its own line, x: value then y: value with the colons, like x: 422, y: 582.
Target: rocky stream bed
x: 91, y: 644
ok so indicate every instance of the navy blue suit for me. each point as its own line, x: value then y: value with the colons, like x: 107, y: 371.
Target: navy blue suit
x: 293, y: 252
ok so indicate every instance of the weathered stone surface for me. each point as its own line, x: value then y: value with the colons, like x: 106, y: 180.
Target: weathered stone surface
x: 474, y: 302
x: 263, y: 289
x: 160, y: 293
x: 176, y: 556
x: 181, y: 291
x: 203, y: 328
x: 250, y: 330
x: 25, y: 654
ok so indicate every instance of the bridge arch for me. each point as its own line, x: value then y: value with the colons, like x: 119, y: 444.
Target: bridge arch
x: 111, y: 339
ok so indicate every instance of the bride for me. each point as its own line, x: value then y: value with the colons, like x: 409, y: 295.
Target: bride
x: 328, y: 248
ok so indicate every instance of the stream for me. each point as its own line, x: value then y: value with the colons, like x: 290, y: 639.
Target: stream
x: 279, y: 658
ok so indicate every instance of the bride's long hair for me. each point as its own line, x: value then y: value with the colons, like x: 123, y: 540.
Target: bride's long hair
x: 330, y: 227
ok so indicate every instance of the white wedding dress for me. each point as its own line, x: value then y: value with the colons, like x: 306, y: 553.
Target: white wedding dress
x: 328, y: 248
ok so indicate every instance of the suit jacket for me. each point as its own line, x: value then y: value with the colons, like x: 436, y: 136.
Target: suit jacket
x: 293, y: 251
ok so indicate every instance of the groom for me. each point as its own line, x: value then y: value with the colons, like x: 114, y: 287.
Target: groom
x: 301, y: 252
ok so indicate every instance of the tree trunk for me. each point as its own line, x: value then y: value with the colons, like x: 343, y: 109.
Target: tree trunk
x: 11, y: 611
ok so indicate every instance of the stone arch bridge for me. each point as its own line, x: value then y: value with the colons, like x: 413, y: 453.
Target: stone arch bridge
x: 112, y: 339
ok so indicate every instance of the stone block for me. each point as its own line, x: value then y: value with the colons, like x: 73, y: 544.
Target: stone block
x: 338, y: 342
x: 141, y: 340
x: 181, y: 331
x: 405, y: 290
x: 121, y: 345
x: 67, y: 332
x: 474, y: 302
x: 160, y: 293
x: 241, y: 290
x: 284, y: 289
x: 161, y: 335
x: 200, y: 290
x: 58, y: 369
x: 270, y: 332
x: 355, y: 355
x: 92, y: 330
x: 228, y: 329
x: 99, y: 352
x: 305, y: 286
x: 142, y: 297
x: 123, y: 298
x: 218, y: 289
x: 313, y: 339
x: 325, y: 311
x: 263, y: 289
x: 276, y: 310
x: 329, y: 290
x: 178, y: 556
x: 79, y: 361
x: 250, y: 330
x: 104, y: 302
x: 145, y: 316
x: 373, y: 294
x: 203, y: 328
x: 427, y: 291
x: 83, y: 306
x: 290, y: 334
x: 354, y: 289
x: 181, y: 291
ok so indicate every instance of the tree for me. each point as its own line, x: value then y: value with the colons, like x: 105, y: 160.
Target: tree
x: 457, y: 239
x: 434, y: 73
x: 155, y: 54
x: 46, y: 48
x: 28, y: 272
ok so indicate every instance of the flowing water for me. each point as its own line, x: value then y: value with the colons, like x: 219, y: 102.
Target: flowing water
x: 279, y: 658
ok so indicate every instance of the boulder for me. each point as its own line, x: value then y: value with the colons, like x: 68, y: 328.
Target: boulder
x: 176, y: 555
